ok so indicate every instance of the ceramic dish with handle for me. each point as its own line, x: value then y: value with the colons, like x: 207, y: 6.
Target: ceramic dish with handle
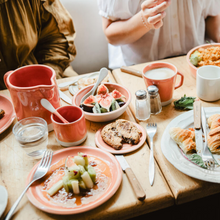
x: 108, y: 116
x: 105, y: 161
x: 193, y: 68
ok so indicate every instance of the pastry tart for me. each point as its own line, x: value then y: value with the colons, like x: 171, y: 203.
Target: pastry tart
x: 214, y: 134
x: 214, y: 121
x: 184, y: 138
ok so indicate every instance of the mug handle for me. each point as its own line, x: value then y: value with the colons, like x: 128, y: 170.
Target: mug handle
x: 6, y: 76
x: 181, y: 80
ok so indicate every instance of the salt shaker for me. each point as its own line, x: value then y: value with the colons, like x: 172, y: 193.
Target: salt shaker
x: 142, y: 104
x: 155, y: 101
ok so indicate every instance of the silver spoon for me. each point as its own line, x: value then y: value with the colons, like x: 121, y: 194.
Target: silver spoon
x: 102, y: 74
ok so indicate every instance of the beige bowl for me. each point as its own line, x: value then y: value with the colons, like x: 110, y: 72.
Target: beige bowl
x: 103, y: 117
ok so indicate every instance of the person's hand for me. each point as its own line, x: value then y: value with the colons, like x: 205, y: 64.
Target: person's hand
x: 153, y: 12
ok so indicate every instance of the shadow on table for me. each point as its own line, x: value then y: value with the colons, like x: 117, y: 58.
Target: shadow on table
x: 205, y: 208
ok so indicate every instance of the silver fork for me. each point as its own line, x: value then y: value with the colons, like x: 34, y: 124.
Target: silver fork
x: 41, y: 171
x: 151, y: 131
x: 206, y: 154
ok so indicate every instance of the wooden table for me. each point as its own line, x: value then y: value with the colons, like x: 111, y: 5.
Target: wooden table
x: 183, y: 187
x: 15, y: 166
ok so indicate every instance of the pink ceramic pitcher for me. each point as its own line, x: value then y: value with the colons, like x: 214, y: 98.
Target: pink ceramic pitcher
x: 28, y: 85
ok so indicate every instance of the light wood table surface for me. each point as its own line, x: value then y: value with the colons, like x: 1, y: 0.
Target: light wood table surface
x: 184, y: 188
x: 15, y: 166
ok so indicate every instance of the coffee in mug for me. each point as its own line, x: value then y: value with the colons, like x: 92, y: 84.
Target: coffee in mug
x: 163, y: 75
x: 160, y: 73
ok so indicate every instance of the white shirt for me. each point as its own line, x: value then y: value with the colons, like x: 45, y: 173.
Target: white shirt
x: 183, y: 28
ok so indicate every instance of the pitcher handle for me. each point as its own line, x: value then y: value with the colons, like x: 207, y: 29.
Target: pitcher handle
x: 181, y: 80
x: 5, y: 78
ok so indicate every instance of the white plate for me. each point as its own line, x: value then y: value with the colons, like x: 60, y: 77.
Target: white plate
x: 3, y: 199
x: 173, y: 154
x: 73, y: 89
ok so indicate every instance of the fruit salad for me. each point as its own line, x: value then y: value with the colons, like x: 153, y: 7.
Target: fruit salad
x: 79, y: 176
x: 103, y: 101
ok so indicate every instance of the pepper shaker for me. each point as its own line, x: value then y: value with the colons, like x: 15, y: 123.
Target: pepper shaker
x: 155, y: 101
x: 142, y: 105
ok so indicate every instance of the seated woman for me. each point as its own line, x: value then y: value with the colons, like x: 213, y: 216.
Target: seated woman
x: 35, y: 31
x: 142, y: 31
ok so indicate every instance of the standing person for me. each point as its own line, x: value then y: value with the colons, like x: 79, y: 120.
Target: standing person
x: 35, y: 31
x: 139, y: 31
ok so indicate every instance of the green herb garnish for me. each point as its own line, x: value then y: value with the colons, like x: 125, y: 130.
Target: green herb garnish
x: 195, y: 158
x: 208, y: 42
x: 185, y: 103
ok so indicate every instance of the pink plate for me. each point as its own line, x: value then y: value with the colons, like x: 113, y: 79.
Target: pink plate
x: 9, y: 116
x: 35, y: 194
x: 126, y: 147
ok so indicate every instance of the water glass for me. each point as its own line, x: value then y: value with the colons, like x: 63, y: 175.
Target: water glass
x: 32, y: 135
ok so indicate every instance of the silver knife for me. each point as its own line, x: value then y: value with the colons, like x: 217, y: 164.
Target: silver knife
x: 206, y: 150
x: 197, y: 126
x: 131, y: 177
x: 65, y: 98
x: 61, y: 85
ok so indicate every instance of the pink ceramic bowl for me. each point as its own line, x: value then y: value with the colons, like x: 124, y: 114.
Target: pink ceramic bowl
x: 103, y: 117
x: 193, y: 68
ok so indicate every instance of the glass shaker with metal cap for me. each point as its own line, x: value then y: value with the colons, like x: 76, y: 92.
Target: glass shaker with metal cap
x: 155, y: 101
x: 142, y: 104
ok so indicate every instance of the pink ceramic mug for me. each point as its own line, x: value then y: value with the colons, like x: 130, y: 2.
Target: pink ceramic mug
x: 164, y: 79
x: 27, y: 86
x: 73, y: 133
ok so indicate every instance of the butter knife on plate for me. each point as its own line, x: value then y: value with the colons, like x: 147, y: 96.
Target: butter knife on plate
x: 131, y: 177
x: 65, y: 98
x: 197, y: 126
x: 207, y: 156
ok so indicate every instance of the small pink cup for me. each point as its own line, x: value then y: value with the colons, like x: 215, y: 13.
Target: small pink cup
x: 75, y: 132
x: 165, y: 86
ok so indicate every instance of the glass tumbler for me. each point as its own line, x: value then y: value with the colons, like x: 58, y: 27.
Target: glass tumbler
x: 32, y: 135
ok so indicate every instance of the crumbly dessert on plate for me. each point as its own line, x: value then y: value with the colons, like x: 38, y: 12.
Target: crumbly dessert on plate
x: 119, y: 132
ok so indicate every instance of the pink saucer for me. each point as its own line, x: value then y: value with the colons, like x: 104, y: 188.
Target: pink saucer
x: 126, y: 147
x: 35, y: 194
x: 9, y: 116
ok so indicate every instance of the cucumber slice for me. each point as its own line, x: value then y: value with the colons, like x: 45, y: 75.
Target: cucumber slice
x: 55, y: 188
x: 96, y: 108
x: 92, y: 173
x: 85, y: 157
x: 81, y: 169
x: 120, y: 100
x: 69, y: 184
x: 82, y: 185
x: 80, y: 154
x: 87, y: 180
x: 73, y: 172
x: 79, y: 160
x: 75, y: 186
x: 103, y: 110
x: 65, y: 183
x: 114, y: 105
